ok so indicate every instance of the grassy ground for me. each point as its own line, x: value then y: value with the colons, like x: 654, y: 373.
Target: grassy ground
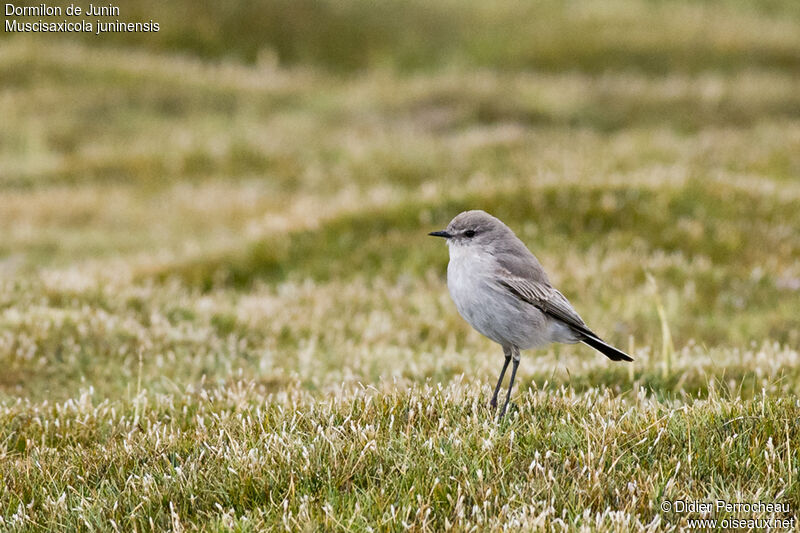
x: 219, y: 309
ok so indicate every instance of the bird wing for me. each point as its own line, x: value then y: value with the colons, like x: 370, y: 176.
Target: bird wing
x: 519, y: 272
x: 542, y: 295
x: 545, y: 298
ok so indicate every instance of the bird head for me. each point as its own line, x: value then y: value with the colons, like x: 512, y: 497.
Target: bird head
x: 474, y: 228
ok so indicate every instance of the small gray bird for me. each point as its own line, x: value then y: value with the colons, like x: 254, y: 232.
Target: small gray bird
x: 500, y: 288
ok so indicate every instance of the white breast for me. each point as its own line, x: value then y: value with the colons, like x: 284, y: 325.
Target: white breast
x: 467, y: 274
x: 487, y: 306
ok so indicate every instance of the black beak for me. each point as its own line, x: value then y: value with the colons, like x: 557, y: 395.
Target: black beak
x: 442, y: 233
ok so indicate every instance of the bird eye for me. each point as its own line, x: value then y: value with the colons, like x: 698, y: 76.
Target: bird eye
x: 470, y: 233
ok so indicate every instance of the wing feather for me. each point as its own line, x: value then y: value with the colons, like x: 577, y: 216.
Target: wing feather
x: 539, y: 293
x: 545, y: 298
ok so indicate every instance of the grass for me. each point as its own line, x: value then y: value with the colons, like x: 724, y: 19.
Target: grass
x: 422, y: 456
x: 219, y: 310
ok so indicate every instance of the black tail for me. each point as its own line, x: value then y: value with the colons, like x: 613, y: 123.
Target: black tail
x: 606, y: 349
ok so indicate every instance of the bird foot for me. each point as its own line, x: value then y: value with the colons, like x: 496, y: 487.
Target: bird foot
x: 506, y: 408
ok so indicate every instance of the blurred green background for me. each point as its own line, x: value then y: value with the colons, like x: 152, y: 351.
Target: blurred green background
x: 348, y: 36
x: 252, y: 146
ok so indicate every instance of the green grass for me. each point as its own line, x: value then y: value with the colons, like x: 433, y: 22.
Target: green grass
x: 421, y: 455
x: 220, y: 311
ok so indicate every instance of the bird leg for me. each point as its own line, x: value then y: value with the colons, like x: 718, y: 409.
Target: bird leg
x: 507, y: 352
x: 511, y: 384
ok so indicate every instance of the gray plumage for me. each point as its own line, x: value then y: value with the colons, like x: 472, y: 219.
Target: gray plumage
x: 501, y: 289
